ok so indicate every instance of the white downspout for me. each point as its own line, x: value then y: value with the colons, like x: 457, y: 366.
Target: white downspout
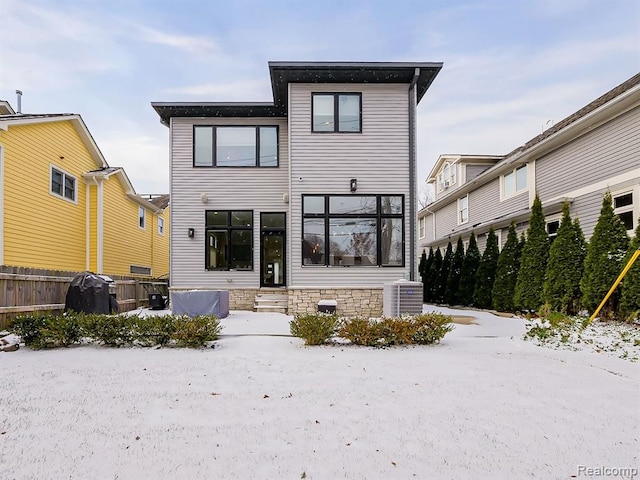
x: 100, y: 228
x: 88, y: 226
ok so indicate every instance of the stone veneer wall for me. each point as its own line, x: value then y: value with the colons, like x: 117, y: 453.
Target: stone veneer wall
x: 353, y: 301
x: 242, y: 298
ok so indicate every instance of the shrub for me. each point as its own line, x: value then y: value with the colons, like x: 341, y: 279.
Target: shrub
x: 46, y: 330
x: 111, y: 330
x: 486, y: 274
x: 314, y: 328
x: 29, y: 327
x: 424, y: 329
x: 630, y: 301
x: 153, y: 329
x: 453, y: 278
x: 506, y: 273
x: 195, y: 332
x: 468, y: 274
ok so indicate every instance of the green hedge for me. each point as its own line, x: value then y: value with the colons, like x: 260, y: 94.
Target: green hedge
x: 45, y: 330
x: 320, y: 328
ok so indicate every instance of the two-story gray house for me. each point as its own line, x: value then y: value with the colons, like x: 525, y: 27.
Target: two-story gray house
x: 311, y: 196
x: 594, y: 150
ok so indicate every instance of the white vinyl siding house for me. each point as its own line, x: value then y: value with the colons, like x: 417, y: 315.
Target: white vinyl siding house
x: 595, y: 150
x: 333, y: 214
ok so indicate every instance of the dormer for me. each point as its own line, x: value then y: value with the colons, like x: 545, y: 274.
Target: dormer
x: 452, y: 171
x: 5, y: 108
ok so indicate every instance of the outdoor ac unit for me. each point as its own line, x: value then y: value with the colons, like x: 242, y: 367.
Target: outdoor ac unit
x: 402, y: 297
x: 446, y: 184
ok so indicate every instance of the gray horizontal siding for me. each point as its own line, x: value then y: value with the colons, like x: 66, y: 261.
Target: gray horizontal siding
x: 378, y: 158
x: 257, y: 189
x: 608, y: 150
x: 472, y: 171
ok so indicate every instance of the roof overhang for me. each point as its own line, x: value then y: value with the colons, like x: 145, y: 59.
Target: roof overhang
x: 76, y: 121
x: 284, y: 73
x: 461, y: 158
x: 122, y: 177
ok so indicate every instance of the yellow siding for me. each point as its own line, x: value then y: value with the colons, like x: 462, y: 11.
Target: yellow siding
x: 125, y: 243
x: 161, y: 246
x: 42, y: 230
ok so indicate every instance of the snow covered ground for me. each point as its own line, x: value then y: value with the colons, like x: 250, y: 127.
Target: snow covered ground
x: 483, y: 404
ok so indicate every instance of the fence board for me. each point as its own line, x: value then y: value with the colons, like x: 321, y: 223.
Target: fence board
x: 24, y: 290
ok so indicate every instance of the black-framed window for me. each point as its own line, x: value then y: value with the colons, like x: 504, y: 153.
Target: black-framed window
x: 63, y: 184
x: 229, y: 240
x: 336, y: 112
x: 235, y: 146
x: 353, y: 230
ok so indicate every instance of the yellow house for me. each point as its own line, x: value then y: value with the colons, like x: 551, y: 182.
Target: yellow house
x: 62, y: 207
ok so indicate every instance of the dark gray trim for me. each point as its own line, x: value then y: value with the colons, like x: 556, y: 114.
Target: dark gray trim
x: 412, y: 174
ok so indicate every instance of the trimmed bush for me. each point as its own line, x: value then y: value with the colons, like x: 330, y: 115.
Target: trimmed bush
x: 50, y: 331
x: 470, y: 266
x: 630, y: 301
x: 455, y: 270
x: 486, y: 274
x: 424, y: 329
x: 434, y: 273
x: 506, y: 273
x: 314, y: 328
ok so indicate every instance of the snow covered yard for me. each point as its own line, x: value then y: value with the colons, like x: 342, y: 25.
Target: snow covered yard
x: 483, y: 404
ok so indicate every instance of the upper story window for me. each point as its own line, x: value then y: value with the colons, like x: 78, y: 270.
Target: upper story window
x: 141, y: 217
x: 229, y: 237
x: 623, y: 207
x: 463, y: 209
x: 447, y: 176
x: 353, y: 230
x: 336, y: 112
x: 237, y: 146
x: 160, y: 226
x: 514, y: 181
x: 63, y: 184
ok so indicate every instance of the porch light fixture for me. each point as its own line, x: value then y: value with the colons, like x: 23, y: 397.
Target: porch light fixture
x: 204, y: 198
x: 353, y: 184
x: 191, y: 233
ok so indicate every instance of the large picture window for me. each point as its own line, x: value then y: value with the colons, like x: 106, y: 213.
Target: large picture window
x: 237, y: 146
x: 229, y: 240
x: 336, y: 112
x: 364, y: 230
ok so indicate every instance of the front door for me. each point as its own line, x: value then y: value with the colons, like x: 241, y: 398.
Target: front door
x: 273, y: 241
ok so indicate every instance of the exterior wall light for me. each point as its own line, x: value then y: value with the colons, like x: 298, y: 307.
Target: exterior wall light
x: 353, y: 184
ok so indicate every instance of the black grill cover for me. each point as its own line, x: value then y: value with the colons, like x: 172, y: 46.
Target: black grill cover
x: 88, y: 293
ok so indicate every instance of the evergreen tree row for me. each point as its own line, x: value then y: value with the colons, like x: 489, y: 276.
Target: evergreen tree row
x: 567, y: 274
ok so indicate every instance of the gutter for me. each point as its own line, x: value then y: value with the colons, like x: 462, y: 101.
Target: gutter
x: 412, y: 173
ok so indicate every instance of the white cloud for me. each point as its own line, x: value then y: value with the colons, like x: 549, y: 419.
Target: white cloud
x: 192, y: 44
x: 243, y: 90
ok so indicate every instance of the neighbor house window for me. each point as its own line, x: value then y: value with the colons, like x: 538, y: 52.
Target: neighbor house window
x: 141, y: 216
x: 353, y: 230
x: 336, y: 112
x: 447, y: 176
x: 623, y: 208
x: 63, y: 184
x: 422, y: 227
x: 139, y: 270
x: 160, y: 226
x: 514, y: 182
x: 552, y: 229
x: 229, y: 240
x: 463, y: 209
x: 237, y: 146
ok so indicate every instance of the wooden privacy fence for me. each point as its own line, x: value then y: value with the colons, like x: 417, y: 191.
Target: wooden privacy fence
x: 24, y: 290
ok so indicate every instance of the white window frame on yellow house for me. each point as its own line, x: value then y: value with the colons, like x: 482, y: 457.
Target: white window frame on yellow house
x: 160, y: 226
x: 142, y: 218
x: 65, y: 174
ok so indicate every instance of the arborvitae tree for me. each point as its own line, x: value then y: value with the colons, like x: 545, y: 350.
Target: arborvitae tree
x: 533, y: 262
x: 565, y: 266
x: 434, y: 273
x: 486, y: 274
x: 443, y: 274
x: 603, y: 263
x: 507, y: 273
x: 424, y: 268
x: 453, y: 280
x: 468, y: 275
x: 630, y: 301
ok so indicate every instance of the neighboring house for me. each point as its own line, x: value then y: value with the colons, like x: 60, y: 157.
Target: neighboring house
x: 311, y: 195
x: 594, y: 150
x: 63, y: 208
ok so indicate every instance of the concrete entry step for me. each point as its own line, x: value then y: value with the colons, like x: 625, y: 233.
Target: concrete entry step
x: 271, y: 302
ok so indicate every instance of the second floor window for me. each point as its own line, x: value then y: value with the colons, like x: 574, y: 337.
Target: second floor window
x: 141, y: 217
x: 447, y: 176
x: 623, y: 208
x: 514, y: 182
x: 63, y: 184
x: 160, y: 226
x: 336, y: 112
x: 463, y: 209
x: 237, y: 146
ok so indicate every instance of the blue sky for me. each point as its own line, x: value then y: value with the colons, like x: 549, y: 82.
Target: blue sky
x: 510, y: 67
